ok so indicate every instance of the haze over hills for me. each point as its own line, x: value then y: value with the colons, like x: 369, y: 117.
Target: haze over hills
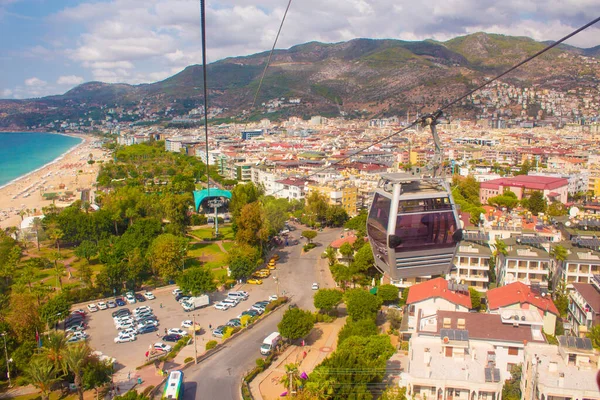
x: 377, y: 77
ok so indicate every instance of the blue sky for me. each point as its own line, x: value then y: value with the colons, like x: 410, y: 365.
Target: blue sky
x: 50, y: 46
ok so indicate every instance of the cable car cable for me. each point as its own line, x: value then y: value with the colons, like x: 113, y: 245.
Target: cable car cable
x: 203, y: 33
x: 270, y: 55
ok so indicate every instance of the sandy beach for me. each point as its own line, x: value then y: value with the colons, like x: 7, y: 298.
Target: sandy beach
x: 65, y: 178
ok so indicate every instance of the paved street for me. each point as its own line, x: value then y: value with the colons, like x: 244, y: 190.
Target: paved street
x: 219, y: 377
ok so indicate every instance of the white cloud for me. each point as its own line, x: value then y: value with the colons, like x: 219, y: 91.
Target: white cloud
x: 70, y: 80
x: 34, y: 82
x: 6, y: 93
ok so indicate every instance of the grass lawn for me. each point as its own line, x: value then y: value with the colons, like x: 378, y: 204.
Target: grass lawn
x: 205, y: 249
x: 225, y: 233
x: 56, y: 395
x: 228, y: 245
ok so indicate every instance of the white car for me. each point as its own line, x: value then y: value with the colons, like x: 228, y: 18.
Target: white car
x: 128, y: 331
x: 177, y: 331
x: 176, y: 291
x: 124, y: 325
x: 122, y: 338
x: 130, y: 298
x: 79, y: 334
x: 238, y: 295
x: 149, y: 296
x: 230, y: 302
x: 315, y: 286
x: 75, y: 339
x: 121, y: 320
x: 183, y: 299
x: 273, y: 297
x: 92, y: 307
x: 161, y: 346
x: 221, y: 306
x: 188, y: 323
x: 258, y: 308
x: 75, y: 328
x: 102, y: 305
x: 141, y: 309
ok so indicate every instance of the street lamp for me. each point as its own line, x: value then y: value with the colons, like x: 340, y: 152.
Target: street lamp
x: 7, y: 360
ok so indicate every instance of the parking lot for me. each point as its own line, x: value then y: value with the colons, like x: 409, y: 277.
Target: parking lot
x: 102, y: 331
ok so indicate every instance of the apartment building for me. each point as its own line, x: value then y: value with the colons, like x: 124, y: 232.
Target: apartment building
x: 580, y: 266
x: 425, y: 299
x: 584, y: 307
x: 565, y: 372
x: 471, y: 265
x: 465, y: 356
x: 341, y: 194
x: 509, y: 299
x: 553, y: 189
x: 523, y: 263
x: 290, y: 188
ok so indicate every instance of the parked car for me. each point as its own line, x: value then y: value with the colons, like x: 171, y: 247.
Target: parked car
x: 130, y: 298
x: 221, y: 306
x: 146, y: 322
x: 125, y: 338
x: 231, y: 302
x: 176, y: 291
x: 139, y: 297
x: 111, y: 304
x: 239, y: 295
x: 149, y: 296
x: 259, y: 308
x: 171, y: 338
x: 234, y: 322
x: 218, y: 332
x: 182, y: 299
x: 255, y: 281
x: 273, y: 297
x: 79, y: 334
x: 75, y: 339
x: 122, y: 311
x: 144, y: 315
x: 161, y: 346
x: 102, y: 305
x: 130, y: 331
x: 177, y: 331
x: 124, y: 325
x: 75, y: 328
x: 80, y: 312
x: 315, y: 286
x: 252, y: 313
x: 92, y: 307
x: 120, y: 302
x: 146, y: 329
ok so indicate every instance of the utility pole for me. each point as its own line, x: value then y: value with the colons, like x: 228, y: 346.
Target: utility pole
x: 195, y: 339
x: 7, y: 361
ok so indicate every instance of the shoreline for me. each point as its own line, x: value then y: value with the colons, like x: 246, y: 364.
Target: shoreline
x: 57, y: 159
x: 66, y: 177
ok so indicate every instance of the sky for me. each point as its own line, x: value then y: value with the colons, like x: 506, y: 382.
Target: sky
x: 50, y: 46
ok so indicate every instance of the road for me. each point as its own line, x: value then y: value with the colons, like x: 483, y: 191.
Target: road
x: 219, y: 377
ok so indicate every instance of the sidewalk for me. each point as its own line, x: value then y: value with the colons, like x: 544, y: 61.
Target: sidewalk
x: 321, y: 342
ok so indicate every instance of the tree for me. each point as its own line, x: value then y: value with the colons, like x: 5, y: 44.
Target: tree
x: 508, y: 199
x: 341, y: 274
x: 132, y: 395
x: 59, y: 268
x: 309, y: 235
x: 42, y: 375
x: 388, y: 293
x: 53, y: 348
x: 475, y: 299
x: 394, y: 317
x: 55, y: 309
x: 296, y: 323
x: 330, y: 254
x: 252, y: 226
x: 362, y: 304
x: 196, y: 281
x: 359, y: 224
x: 56, y: 234
x: 166, y: 254
x: 362, y: 328
x: 594, y: 336
x: 394, y: 393
x: 327, y: 299
x: 75, y: 357
x: 512, y: 387
x: 557, y: 209
x: 537, y: 203
x: 363, y: 259
x: 242, y: 195
x: 336, y: 215
x: 96, y: 373
x: 23, y: 316
x: 243, y: 260
x: 347, y: 251
x: 291, y: 378
x: 525, y: 168
x: 37, y: 227
x: 316, y: 207
x: 86, y: 249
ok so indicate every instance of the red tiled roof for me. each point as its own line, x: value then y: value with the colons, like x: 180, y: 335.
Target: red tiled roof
x: 527, y: 181
x: 519, y: 293
x: 435, y: 288
x: 336, y: 244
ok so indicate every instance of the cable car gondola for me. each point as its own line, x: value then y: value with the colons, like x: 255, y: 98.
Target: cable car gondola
x: 413, y: 225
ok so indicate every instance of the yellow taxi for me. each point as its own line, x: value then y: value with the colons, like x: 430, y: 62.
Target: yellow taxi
x: 255, y: 281
x: 271, y: 264
x: 275, y: 257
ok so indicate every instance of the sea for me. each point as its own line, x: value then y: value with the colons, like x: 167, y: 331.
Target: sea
x: 22, y: 153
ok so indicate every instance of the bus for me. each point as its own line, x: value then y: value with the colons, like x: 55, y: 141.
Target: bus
x: 174, y: 386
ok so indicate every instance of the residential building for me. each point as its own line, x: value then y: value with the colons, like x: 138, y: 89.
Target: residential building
x: 341, y: 194
x: 290, y: 188
x: 458, y: 355
x: 553, y: 189
x: 427, y: 298
x: 510, y: 299
x: 578, y: 180
x: 523, y: 263
x: 243, y: 171
x: 580, y: 266
x: 584, y: 307
x: 471, y: 265
x: 249, y: 134
x: 565, y: 372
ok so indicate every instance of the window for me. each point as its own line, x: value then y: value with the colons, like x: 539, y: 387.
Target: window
x: 510, y: 366
x: 513, y: 351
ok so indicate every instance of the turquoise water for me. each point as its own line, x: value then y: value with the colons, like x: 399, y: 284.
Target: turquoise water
x: 24, y: 152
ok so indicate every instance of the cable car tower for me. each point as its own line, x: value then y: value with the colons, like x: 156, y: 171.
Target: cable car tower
x: 413, y: 225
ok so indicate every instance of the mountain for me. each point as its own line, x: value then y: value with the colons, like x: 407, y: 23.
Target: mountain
x: 382, y: 77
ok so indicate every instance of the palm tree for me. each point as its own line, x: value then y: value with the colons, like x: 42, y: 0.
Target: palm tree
x: 41, y: 374
x: 59, y: 268
x: 75, y: 357
x: 56, y: 234
x: 37, y: 227
x: 291, y: 378
x: 54, y: 348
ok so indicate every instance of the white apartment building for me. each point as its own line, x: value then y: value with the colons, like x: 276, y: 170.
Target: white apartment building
x: 563, y: 372
x: 290, y: 188
x: 265, y: 177
x: 580, y: 266
x: 471, y: 265
x: 584, y: 307
x: 578, y: 181
x: 526, y: 264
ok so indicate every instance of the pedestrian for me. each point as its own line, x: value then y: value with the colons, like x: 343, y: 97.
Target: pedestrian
x: 129, y: 375
x: 157, y: 334
x: 165, y: 331
x: 160, y: 305
x: 118, y: 390
x: 210, y: 326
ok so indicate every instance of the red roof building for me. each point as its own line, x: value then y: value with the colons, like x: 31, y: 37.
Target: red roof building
x: 518, y: 295
x: 553, y: 189
x: 436, y: 288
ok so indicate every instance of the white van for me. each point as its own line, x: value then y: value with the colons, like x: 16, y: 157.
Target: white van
x: 239, y: 296
x: 270, y: 343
